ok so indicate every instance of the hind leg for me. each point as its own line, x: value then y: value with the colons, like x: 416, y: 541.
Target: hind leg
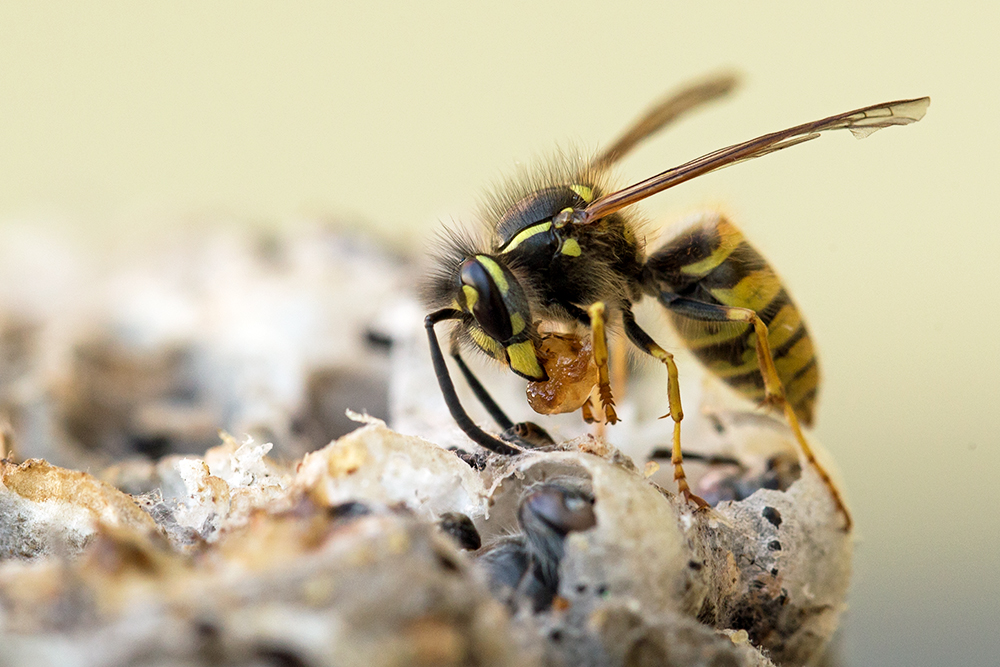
x: 774, y: 391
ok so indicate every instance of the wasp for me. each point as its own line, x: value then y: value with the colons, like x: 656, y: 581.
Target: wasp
x: 525, y: 565
x: 564, y: 253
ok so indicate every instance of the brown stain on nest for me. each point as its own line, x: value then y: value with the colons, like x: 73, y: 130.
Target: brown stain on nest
x: 436, y: 641
x: 346, y: 458
x: 36, y: 480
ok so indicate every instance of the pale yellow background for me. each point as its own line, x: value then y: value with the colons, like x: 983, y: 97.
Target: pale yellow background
x: 119, y: 115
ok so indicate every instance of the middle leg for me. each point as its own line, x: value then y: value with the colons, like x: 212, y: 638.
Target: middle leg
x: 644, y: 342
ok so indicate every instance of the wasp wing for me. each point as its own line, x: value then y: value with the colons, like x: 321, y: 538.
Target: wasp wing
x: 861, y: 123
x: 664, y: 112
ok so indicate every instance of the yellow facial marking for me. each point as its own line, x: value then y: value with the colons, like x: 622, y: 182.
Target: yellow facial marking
x: 523, y: 360
x: 471, y: 297
x: 485, y: 343
x: 526, y: 234
x: 570, y: 247
x: 516, y: 323
x: 495, y: 272
x: 585, y: 193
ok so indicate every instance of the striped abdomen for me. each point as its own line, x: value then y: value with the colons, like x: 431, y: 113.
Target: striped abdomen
x: 711, y: 262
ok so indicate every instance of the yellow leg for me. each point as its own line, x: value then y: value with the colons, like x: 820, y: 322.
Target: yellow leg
x: 774, y: 393
x: 677, y: 414
x: 646, y: 343
x: 600, y: 341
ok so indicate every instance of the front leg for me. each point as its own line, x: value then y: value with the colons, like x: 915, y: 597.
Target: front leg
x: 499, y: 416
x: 600, y: 343
x: 594, y: 318
x: 458, y: 413
x: 645, y: 343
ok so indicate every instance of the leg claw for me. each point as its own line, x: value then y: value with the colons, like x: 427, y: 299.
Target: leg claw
x: 699, y: 503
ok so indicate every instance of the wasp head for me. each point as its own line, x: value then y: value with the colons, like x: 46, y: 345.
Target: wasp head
x: 501, y: 322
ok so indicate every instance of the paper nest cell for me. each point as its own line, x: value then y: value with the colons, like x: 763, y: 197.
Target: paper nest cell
x: 337, y: 560
x: 380, y: 548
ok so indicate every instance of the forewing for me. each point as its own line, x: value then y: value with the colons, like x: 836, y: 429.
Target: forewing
x: 861, y: 123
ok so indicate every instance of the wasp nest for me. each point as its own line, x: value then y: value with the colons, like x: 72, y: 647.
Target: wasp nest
x: 379, y: 548
x: 368, y: 552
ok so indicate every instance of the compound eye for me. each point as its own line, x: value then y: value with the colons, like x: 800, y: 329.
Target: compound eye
x: 484, y: 297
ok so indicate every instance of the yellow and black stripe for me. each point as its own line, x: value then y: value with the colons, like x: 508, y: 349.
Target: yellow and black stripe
x: 712, y: 263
